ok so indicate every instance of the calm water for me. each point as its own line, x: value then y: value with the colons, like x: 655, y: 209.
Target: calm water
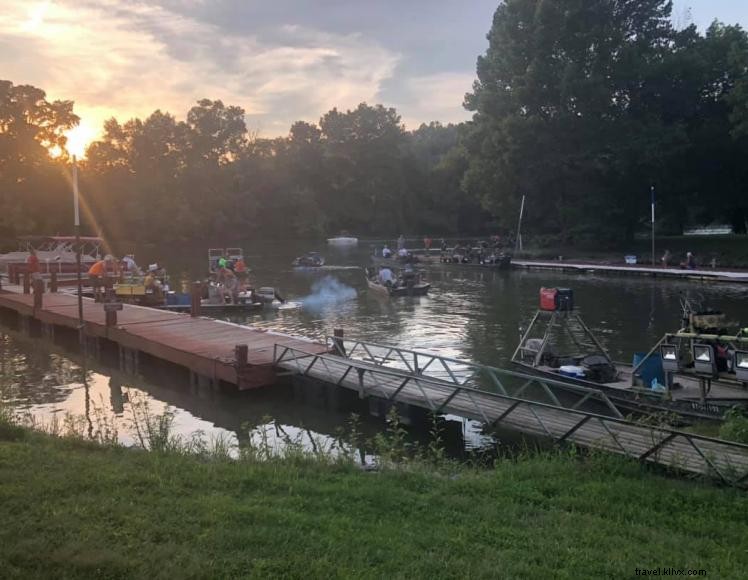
x: 471, y: 313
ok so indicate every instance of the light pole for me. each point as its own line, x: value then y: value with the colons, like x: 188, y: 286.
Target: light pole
x: 77, y: 223
x: 652, y: 192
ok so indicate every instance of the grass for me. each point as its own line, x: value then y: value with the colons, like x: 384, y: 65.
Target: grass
x: 76, y: 509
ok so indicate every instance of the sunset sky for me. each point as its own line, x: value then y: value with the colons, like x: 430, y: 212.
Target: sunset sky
x: 282, y: 60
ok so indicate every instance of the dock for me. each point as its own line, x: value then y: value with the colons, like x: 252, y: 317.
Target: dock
x: 501, y: 398
x: 704, y: 275
x: 213, y: 351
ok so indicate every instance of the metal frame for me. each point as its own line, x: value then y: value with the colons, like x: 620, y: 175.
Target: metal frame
x: 725, y: 460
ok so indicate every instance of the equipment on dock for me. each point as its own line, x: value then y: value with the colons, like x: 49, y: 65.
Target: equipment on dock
x: 558, y: 343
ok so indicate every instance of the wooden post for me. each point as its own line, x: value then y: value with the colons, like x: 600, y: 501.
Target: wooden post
x: 26, y: 283
x: 338, y: 334
x: 110, y: 314
x: 241, y: 355
x: 38, y: 293
x: 196, y: 296
x: 53, y: 282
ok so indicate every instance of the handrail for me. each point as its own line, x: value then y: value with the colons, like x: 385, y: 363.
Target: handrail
x: 494, y: 374
x: 727, y: 459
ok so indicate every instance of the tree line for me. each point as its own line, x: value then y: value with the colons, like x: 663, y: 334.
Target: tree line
x: 581, y: 106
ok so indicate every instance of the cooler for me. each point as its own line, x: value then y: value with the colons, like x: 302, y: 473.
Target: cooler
x: 548, y: 298
x: 564, y: 299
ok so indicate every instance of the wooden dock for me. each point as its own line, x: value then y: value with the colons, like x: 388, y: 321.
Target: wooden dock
x: 702, y: 274
x: 204, y: 346
x: 449, y: 386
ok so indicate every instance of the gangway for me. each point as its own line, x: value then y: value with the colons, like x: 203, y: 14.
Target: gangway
x: 446, y: 385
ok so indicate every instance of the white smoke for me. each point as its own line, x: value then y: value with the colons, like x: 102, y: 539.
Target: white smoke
x: 328, y: 290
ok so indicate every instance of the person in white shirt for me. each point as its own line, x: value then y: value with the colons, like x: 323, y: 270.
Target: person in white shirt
x: 386, y: 252
x: 386, y: 277
x: 402, y: 252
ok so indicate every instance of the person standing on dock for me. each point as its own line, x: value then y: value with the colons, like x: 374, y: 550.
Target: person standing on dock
x: 32, y: 265
x: 401, y: 242
x: 665, y: 258
x: 98, y: 274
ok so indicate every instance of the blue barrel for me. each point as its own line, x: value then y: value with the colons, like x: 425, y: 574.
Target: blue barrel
x: 650, y: 369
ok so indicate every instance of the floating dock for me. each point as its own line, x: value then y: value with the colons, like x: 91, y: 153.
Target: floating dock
x: 212, y: 350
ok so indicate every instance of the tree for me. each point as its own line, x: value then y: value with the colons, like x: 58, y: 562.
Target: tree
x: 561, y: 115
x: 31, y: 181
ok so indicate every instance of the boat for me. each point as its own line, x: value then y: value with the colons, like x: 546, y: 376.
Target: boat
x: 309, y: 260
x: 678, y: 375
x: 233, y: 255
x: 477, y: 256
x: 55, y: 253
x: 407, y: 283
x: 344, y: 239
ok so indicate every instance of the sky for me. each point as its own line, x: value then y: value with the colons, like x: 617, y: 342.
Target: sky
x: 281, y: 60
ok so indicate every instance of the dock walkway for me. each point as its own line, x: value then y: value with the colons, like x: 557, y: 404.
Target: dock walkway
x: 640, y: 270
x: 388, y: 373
x: 204, y: 346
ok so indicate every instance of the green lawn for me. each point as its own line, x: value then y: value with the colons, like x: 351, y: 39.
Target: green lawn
x: 72, y: 509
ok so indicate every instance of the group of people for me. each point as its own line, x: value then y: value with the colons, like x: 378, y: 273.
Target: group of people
x: 688, y: 264
x: 228, y: 280
x: 109, y: 270
x: 387, y: 277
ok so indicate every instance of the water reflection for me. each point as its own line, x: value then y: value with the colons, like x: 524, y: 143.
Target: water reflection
x: 470, y: 313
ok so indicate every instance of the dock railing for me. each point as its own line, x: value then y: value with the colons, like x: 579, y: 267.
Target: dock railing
x: 680, y: 450
x: 469, y: 374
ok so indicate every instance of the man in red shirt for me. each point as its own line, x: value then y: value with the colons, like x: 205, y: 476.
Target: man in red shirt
x: 32, y: 265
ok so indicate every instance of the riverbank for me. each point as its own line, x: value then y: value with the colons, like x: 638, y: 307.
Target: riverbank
x: 75, y: 509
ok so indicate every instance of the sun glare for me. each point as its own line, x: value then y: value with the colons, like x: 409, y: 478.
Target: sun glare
x: 79, y: 138
x: 36, y: 13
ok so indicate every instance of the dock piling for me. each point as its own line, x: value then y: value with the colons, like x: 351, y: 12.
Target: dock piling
x: 26, y: 283
x: 196, y: 296
x: 38, y: 286
x: 53, y: 282
x: 241, y: 355
x: 338, y: 335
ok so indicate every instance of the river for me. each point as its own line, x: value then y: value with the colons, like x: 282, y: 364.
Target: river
x: 470, y: 313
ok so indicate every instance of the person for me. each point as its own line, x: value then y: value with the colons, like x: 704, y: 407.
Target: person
x: 444, y: 245
x: 427, y: 243
x: 402, y: 253
x: 690, y: 262
x: 401, y: 242
x: 152, y: 283
x: 386, y: 252
x: 231, y: 284
x: 98, y: 274
x: 722, y: 357
x: 32, y: 265
x: 665, y: 258
x: 386, y: 277
x: 222, y: 263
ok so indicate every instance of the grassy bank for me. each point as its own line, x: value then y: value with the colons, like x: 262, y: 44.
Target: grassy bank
x: 72, y: 509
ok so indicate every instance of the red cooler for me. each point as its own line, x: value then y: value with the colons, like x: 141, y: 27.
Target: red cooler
x: 548, y: 298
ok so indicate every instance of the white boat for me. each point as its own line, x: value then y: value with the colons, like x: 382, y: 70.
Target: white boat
x: 343, y: 240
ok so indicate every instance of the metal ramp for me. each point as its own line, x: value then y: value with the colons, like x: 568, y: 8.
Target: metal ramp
x: 445, y: 385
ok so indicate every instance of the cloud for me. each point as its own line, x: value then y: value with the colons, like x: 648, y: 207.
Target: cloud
x: 127, y: 59
x: 434, y: 97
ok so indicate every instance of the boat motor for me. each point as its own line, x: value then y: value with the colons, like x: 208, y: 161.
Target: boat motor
x: 703, y: 359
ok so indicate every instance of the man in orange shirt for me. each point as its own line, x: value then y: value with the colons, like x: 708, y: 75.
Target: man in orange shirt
x: 97, y: 274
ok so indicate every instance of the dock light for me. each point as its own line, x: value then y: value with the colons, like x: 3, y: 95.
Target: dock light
x: 703, y: 359
x: 669, y: 354
x: 741, y: 365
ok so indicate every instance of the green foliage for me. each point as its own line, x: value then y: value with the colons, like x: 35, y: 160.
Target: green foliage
x: 82, y: 511
x: 581, y: 106
x: 735, y: 427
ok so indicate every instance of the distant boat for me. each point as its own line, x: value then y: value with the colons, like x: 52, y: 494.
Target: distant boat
x: 344, y: 239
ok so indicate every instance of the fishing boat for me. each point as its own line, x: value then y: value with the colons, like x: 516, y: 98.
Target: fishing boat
x: 55, y: 253
x: 344, y: 239
x: 405, y: 283
x: 680, y: 374
x: 309, y: 260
